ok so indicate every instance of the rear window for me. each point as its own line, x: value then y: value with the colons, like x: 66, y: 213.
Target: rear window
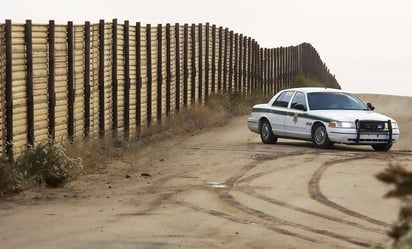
x: 283, y: 99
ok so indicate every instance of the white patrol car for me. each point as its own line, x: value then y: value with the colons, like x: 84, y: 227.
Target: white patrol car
x: 324, y: 116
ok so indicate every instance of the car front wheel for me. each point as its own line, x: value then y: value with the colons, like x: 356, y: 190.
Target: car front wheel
x: 382, y: 147
x: 320, y: 137
x: 266, y: 134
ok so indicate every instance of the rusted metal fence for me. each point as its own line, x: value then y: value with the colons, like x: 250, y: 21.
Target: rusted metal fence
x: 70, y: 82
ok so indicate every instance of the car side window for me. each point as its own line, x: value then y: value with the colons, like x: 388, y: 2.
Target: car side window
x: 298, y: 101
x: 283, y: 99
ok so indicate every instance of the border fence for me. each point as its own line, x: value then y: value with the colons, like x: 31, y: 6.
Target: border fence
x: 72, y: 82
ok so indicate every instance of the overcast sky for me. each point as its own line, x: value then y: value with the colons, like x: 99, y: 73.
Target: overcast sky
x: 367, y: 44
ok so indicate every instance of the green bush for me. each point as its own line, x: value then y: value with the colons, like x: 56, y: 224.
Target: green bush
x: 46, y: 164
x: 303, y: 81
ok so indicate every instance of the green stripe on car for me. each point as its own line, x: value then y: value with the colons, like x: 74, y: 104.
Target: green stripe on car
x: 289, y: 113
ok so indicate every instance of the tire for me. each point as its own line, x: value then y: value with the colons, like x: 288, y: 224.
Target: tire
x: 266, y: 134
x: 320, y: 137
x: 382, y: 147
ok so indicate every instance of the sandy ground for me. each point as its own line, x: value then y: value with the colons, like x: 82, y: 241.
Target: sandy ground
x: 220, y: 188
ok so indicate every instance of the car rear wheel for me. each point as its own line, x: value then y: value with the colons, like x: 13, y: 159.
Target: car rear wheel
x: 382, y: 147
x: 320, y: 137
x: 266, y: 134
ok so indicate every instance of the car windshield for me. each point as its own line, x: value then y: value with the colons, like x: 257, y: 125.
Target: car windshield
x: 335, y: 101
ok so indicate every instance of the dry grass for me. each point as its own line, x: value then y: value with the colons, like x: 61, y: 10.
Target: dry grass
x: 220, y: 108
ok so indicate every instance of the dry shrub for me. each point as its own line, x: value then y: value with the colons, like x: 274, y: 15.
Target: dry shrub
x: 8, y: 182
x: 47, y: 164
x: 401, y: 232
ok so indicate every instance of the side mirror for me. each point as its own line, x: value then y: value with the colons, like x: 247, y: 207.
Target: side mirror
x: 370, y: 106
x: 300, y: 107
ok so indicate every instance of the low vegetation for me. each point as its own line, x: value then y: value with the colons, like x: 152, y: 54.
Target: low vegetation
x: 303, y: 81
x: 53, y: 165
x: 401, y: 232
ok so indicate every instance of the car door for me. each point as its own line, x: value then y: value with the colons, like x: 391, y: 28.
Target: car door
x: 278, y: 112
x: 296, y: 122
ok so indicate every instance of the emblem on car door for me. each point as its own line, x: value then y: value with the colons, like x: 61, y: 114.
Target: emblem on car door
x: 295, y: 118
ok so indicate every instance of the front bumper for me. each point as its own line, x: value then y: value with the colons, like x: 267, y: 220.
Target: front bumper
x: 366, y: 132
x: 366, y: 139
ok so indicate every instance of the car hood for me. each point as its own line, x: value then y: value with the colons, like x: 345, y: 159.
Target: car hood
x: 350, y: 115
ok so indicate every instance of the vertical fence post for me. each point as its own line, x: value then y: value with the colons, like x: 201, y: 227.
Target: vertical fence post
x: 185, y: 63
x: 273, y: 70
x: 244, y: 62
x: 220, y: 66
x: 200, y: 62
x: 213, y: 59
x: 238, y: 61
x: 178, y: 65
x: 29, y: 82
x: 101, y: 79
x: 159, y: 73
x: 114, y: 79
x: 138, y: 77
x: 265, y: 70
x: 254, y: 65
x: 193, y: 64
x: 70, y: 80
x: 168, y: 70
x: 280, y: 56
x: 288, y: 66
x: 295, y: 63
x: 274, y: 89
x: 261, y: 69
x: 126, y: 51
x: 235, y: 62
x: 277, y: 68
x: 230, y: 62
x: 207, y: 64
x: 249, y: 65
x: 51, y: 82
x: 269, y: 74
x: 289, y: 58
x: 256, y: 81
x: 9, y: 92
x: 225, y: 59
x: 149, y: 73
x: 86, y: 90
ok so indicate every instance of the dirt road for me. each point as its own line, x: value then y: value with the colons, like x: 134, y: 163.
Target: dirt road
x: 220, y: 188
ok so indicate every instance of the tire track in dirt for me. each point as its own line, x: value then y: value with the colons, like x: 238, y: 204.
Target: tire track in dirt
x: 316, y: 194
x: 229, y: 199
x: 250, y: 191
x: 266, y: 220
x: 236, y: 219
x: 226, y: 197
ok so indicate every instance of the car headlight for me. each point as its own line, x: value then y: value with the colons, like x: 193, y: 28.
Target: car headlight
x: 346, y: 125
x: 394, y: 125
